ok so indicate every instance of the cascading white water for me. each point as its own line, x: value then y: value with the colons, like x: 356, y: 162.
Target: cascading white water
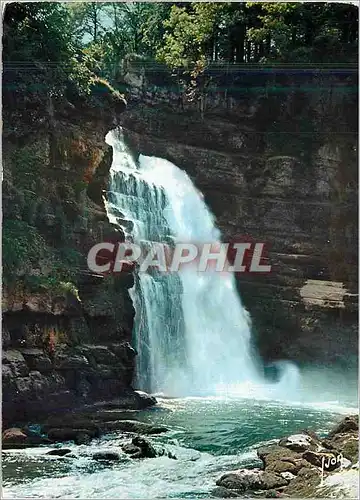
x: 191, y: 331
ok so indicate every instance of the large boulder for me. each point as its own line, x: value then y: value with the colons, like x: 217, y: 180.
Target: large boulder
x: 133, y: 426
x: 14, y: 434
x: 344, y: 438
x: 278, y: 459
x: 349, y: 423
x: 107, y: 456
x: 138, y: 400
x: 16, y: 361
x: 71, y: 420
x: 300, y: 442
x: 305, y: 484
x: 254, y: 479
x: 347, y: 444
x: 221, y: 492
x: 15, y: 437
x: 328, y: 461
x: 127, y: 399
x: 79, y: 436
x: 59, y: 452
x: 140, y: 448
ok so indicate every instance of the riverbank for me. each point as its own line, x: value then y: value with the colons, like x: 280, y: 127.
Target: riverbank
x: 300, y: 465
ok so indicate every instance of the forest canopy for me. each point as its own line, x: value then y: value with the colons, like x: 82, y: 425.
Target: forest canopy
x: 77, y: 40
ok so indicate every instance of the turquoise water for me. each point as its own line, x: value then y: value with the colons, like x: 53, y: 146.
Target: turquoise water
x: 208, y: 436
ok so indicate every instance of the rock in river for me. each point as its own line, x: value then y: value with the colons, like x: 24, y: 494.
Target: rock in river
x: 253, y: 479
x: 133, y: 426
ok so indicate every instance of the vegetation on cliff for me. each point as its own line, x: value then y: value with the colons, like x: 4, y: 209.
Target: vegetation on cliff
x: 49, y: 86
x: 60, y: 57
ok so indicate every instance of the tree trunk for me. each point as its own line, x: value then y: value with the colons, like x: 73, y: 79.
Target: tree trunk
x: 95, y: 21
x: 240, y: 45
x: 248, y: 52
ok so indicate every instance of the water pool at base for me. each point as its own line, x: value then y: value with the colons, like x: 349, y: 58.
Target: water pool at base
x: 208, y: 436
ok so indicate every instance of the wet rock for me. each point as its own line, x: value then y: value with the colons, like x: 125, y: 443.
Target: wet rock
x: 33, y: 430
x: 254, y: 479
x: 127, y: 399
x: 124, y: 351
x: 299, y: 443
x: 80, y: 436
x: 279, y: 459
x: 17, y: 438
x: 140, y: 448
x: 139, y: 400
x: 349, y: 423
x: 347, y: 444
x: 111, y: 415
x: 72, y: 421
x: 133, y: 426
x: 130, y: 449
x: 304, y: 484
x: 14, y: 434
x: 106, y: 455
x: 59, y: 453
x: 221, y: 492
x: 330, y: 461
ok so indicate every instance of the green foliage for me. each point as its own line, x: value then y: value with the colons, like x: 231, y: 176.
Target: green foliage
x: 61, y: 46
x: 182, y: 41
x: 25, y: 249
x: 202, y: 33
x: 22, y: 246
x: 28, y: 162
x: 110, y: 31
x: 43, y: 60
x: 69, y: 287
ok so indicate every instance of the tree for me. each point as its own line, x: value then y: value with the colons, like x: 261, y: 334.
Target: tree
x: 191, y: 35
x: 87, y: 20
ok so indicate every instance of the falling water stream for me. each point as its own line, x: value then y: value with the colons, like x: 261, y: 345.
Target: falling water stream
x: 192, y: 332
x: 193, y: 339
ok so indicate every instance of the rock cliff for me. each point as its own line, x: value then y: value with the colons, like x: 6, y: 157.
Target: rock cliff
x: 275, y: 155
x: 66, y: 333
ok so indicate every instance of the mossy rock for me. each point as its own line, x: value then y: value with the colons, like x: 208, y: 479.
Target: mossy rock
x: 105, y: 94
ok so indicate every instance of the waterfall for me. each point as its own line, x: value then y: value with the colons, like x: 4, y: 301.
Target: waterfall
x: 191, y: 330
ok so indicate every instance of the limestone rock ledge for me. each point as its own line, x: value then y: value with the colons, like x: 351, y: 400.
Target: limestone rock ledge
x: 300, y: 465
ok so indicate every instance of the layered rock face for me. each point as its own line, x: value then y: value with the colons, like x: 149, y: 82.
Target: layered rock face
x: 275, y: 155
x: 66, y: 333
